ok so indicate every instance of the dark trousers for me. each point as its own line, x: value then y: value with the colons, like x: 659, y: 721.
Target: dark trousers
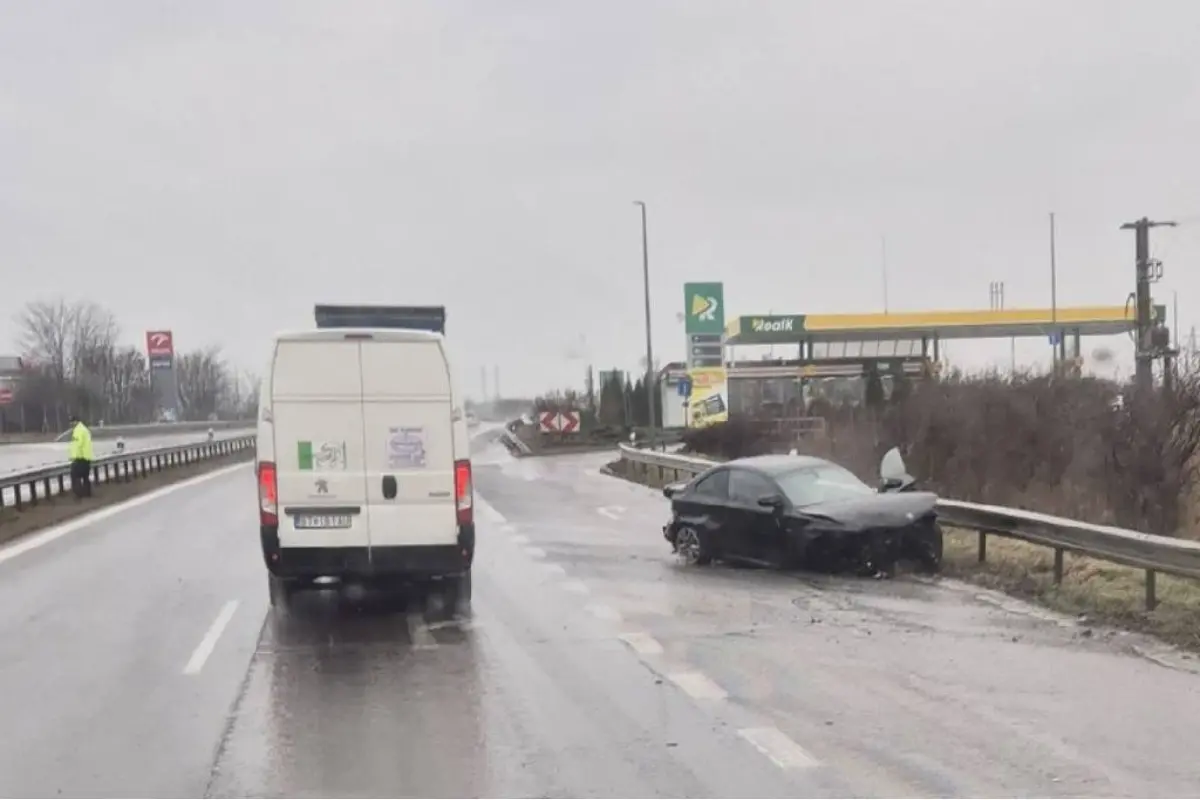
x: 81, y: 477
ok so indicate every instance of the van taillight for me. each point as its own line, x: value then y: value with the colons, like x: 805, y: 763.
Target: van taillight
x: 268, y: 494
x: 464, y: 493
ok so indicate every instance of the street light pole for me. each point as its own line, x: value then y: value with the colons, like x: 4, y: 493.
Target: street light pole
x: 651, y: 384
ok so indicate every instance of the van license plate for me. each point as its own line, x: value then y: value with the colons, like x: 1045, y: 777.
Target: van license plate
x: 321, y: 521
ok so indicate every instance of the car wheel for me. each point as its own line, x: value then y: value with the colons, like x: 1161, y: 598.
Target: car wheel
x: 280, y: 591
x: 457, y: 594
x: 690, y: 546
x: 931, y: 544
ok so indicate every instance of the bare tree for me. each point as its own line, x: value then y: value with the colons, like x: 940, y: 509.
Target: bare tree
x: 76, y: 362
x: 45, y: 335
x: 203, y: 382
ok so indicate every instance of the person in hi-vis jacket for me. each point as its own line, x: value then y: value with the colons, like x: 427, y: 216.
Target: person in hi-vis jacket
x: 81, y: 459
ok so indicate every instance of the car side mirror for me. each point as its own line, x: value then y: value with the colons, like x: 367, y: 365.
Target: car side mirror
x: 893, y: 474
x: 774, y: 501
x: 672, y: 489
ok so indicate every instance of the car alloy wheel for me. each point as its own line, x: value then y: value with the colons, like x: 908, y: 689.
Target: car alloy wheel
x: 687, y: 544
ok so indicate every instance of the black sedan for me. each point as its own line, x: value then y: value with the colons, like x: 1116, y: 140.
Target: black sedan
x: 790, y: 511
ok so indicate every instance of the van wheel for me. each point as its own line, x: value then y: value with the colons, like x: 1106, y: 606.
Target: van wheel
x: 457, y: 594
x: 280, y: 591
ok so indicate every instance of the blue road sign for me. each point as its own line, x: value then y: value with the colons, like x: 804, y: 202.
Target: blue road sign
x: 684, y: 387
x: 1055, y: 337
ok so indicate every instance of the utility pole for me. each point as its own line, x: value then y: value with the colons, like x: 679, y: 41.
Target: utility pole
x: 483, y: 382
x: 1057, y: 335
x: 1146, y: 272
x: 496, y: 380
x: 996, y: 303
x: 883, y: 267
x: 651, y: 384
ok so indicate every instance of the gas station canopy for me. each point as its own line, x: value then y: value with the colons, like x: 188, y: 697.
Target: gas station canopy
x: 912, y: 326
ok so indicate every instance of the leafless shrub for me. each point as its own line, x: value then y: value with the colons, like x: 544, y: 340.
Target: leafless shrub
x: 1083, y: 448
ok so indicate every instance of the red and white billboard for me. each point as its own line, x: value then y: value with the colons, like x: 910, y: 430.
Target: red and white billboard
x: 160, y: 344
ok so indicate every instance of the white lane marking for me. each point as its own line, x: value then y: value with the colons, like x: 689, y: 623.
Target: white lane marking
x: 555, y: 569
x: 601, y: 611
x: 642, y: 643
x: 418, y: 632
x: 209, y: 642
x: 697, y: 685
x: 45, y: 537
x: 576, y: 587
x: 612, y: 512
x: 521, y: 538
x: 779, y: 747
x: 535, y: 552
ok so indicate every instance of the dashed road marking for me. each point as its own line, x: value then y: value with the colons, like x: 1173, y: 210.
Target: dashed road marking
x: 576, y: 587
x: 521, y: 538
x: 601, y: 611
x: 779, y: 747
x: 557, y: 570
x: 535, y: 552
x: 642, y: 643
x: 698, y: 685
x: 209, y: 642
x: 419, y: 633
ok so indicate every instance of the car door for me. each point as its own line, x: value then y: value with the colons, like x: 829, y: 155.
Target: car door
x: 752, y: 528
x: 705, y: 508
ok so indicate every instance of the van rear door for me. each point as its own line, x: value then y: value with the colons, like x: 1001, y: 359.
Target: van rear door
x: 316, y: 391
x: 408, y: 412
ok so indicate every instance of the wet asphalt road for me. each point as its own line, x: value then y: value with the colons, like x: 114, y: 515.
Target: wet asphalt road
x: 141, y: 660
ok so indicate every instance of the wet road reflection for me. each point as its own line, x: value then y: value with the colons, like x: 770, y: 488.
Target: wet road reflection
x: 354, y: 698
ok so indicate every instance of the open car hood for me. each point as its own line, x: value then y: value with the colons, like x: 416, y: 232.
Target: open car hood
x: 873, y: 510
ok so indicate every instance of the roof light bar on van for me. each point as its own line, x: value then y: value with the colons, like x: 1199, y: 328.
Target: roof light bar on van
x: 268, y: 494
x: 464, y: 492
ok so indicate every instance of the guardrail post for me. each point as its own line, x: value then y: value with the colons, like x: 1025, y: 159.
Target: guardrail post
x: 982, y: 547
x: 1058, y: 565
x: 1151, y: 594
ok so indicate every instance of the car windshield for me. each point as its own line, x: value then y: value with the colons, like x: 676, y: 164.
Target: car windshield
x: 819, y: 484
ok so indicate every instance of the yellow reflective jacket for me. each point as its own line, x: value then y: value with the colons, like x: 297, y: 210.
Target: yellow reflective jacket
x: 81, y: 443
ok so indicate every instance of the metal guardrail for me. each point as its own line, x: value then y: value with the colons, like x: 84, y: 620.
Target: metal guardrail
x: 160, y: 429
x: 21, y: 489
x: 1151, y: 553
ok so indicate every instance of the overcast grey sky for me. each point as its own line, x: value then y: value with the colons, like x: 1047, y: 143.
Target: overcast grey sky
x: 218, y: 167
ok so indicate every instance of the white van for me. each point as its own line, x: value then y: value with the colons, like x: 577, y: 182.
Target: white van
x: 363, y: 464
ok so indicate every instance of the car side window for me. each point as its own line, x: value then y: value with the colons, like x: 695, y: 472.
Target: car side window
x: 747, y: 487
x: 715, y: 486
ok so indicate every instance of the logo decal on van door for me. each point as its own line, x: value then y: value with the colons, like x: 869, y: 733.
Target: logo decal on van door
x: 406, y: 448
x: 321, y: 456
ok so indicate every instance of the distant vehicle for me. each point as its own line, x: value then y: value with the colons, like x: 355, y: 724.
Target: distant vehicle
x: 792, y: 511
x: 363, y: 463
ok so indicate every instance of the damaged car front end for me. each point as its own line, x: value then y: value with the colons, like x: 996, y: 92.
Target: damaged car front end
x: 802, y: 511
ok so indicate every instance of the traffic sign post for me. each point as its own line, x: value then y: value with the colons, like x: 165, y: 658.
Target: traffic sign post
x: 6, y: 396
x: 563, y: 422
x: 684, y: 387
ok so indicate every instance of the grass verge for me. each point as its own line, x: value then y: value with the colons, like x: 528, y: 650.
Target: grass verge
x: 15, y: 524
x: 1105, y: 593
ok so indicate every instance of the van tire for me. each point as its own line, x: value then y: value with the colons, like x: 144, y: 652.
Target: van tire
x: 457, y: 594
x: 280, y: 591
